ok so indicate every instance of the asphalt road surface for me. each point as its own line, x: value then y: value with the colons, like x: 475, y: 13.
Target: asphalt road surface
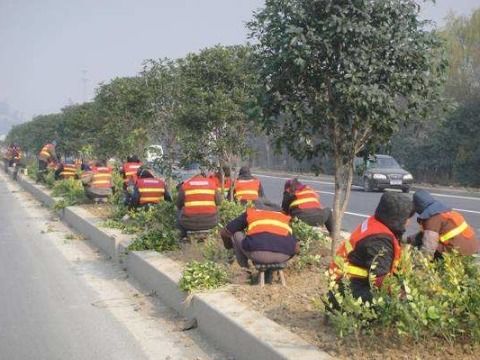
x: 61, y: 299
x: 362, y: 204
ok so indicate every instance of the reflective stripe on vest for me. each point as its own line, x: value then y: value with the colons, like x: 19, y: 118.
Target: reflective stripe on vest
x: 151, y: 190
x: 273, y: 222
x: 246, y: 192
x: 356, y: 271
x: 200, y: 191
x: 199, y: 203
x: 454, y: 232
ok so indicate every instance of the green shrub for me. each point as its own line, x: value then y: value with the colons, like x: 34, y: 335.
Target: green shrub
x: 117, y: 197
x: 424, y: 299
x: 160, y: 239
x: 32, y: 169
x: 203, y: 276
x: 72, y: 192
x: 310, y: 239
x: 214, y: 250
x: 50, y: 179
x: 228, y: 211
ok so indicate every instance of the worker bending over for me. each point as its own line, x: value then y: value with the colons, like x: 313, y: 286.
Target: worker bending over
x: 66, y: 170
x: 373, y: 250
x: 98, y: 182
x: 247, y: 187
x: 129, y: 170
x: 46, y: 156
x: 302, y: 202
x: 442, y: 229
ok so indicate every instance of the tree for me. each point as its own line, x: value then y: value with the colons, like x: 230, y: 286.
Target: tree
x: 340, y: 73
x: 449, y: 147
x: 31, y: 136
x: 163, y: 89
x: 217, y: 104
x: 126, y: 115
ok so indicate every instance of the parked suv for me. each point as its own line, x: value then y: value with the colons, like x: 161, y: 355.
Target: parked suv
x: 380, y: 172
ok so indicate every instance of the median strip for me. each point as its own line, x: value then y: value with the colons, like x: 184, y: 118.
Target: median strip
x: 229, y: 324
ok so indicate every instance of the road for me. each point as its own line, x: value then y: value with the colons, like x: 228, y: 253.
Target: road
x: 362, y: 204
x: 61, y: 299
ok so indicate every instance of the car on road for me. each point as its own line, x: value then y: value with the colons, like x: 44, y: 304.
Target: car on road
x: 380, y: 172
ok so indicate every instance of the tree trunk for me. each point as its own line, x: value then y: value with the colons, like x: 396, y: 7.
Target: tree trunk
x: 343, y: 184
x: 222, y: 181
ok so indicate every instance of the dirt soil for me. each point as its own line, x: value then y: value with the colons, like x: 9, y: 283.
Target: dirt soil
x: 103, y: 211
x: 298, y: 308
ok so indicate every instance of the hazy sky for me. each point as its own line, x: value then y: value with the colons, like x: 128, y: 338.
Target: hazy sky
x: 45, y: 45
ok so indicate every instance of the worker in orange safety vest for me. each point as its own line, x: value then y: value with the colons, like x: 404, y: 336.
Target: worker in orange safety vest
x: 373, y: 250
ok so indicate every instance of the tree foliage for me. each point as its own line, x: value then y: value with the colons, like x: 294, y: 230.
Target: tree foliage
x: 216, y: 103
x: 338, y: 74
x: 449, y: 148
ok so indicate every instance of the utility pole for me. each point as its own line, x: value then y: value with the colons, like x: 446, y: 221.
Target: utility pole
x: 84, y: 84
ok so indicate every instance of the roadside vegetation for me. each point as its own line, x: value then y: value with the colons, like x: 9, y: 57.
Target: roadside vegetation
x: 325, y: 79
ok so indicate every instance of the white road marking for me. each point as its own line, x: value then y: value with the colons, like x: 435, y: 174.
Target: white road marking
x: 356, y: 214
x: 325, y: 192
x: 456, y: 196
x: 468, y: 211
x: 289, y: 178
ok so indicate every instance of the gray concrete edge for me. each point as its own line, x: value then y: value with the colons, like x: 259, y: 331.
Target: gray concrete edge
x: 229, y: 324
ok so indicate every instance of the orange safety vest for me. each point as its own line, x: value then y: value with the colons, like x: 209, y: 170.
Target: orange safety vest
x: 306, y: 198
x: 461, y: 228
x: 130, y: 170
x: 246, y: 189
x: 227, y: 183
x: 273, y: 222
x: 46, y: 153
x: 69, y: 171
x: 151, y: 190
x: 369, y: 227
x: 199, y: 196
x: 102, y: 178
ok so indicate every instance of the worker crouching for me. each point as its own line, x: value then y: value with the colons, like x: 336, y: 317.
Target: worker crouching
x: 148, y: 189
x: 373, y: 250
x: 302, y: 202
x: 247, y: 187
x: 197, y: 203
x: 98, y: 182
x: 442, y: 229
x: 262, y: 234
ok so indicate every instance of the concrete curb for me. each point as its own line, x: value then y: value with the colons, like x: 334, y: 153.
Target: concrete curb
x: 229, y: 324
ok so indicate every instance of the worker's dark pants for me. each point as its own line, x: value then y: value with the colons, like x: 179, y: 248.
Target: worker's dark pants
x: 315, y: 217
x: 257, y: 257
x: 195, y: 222
x: 42, y: 170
